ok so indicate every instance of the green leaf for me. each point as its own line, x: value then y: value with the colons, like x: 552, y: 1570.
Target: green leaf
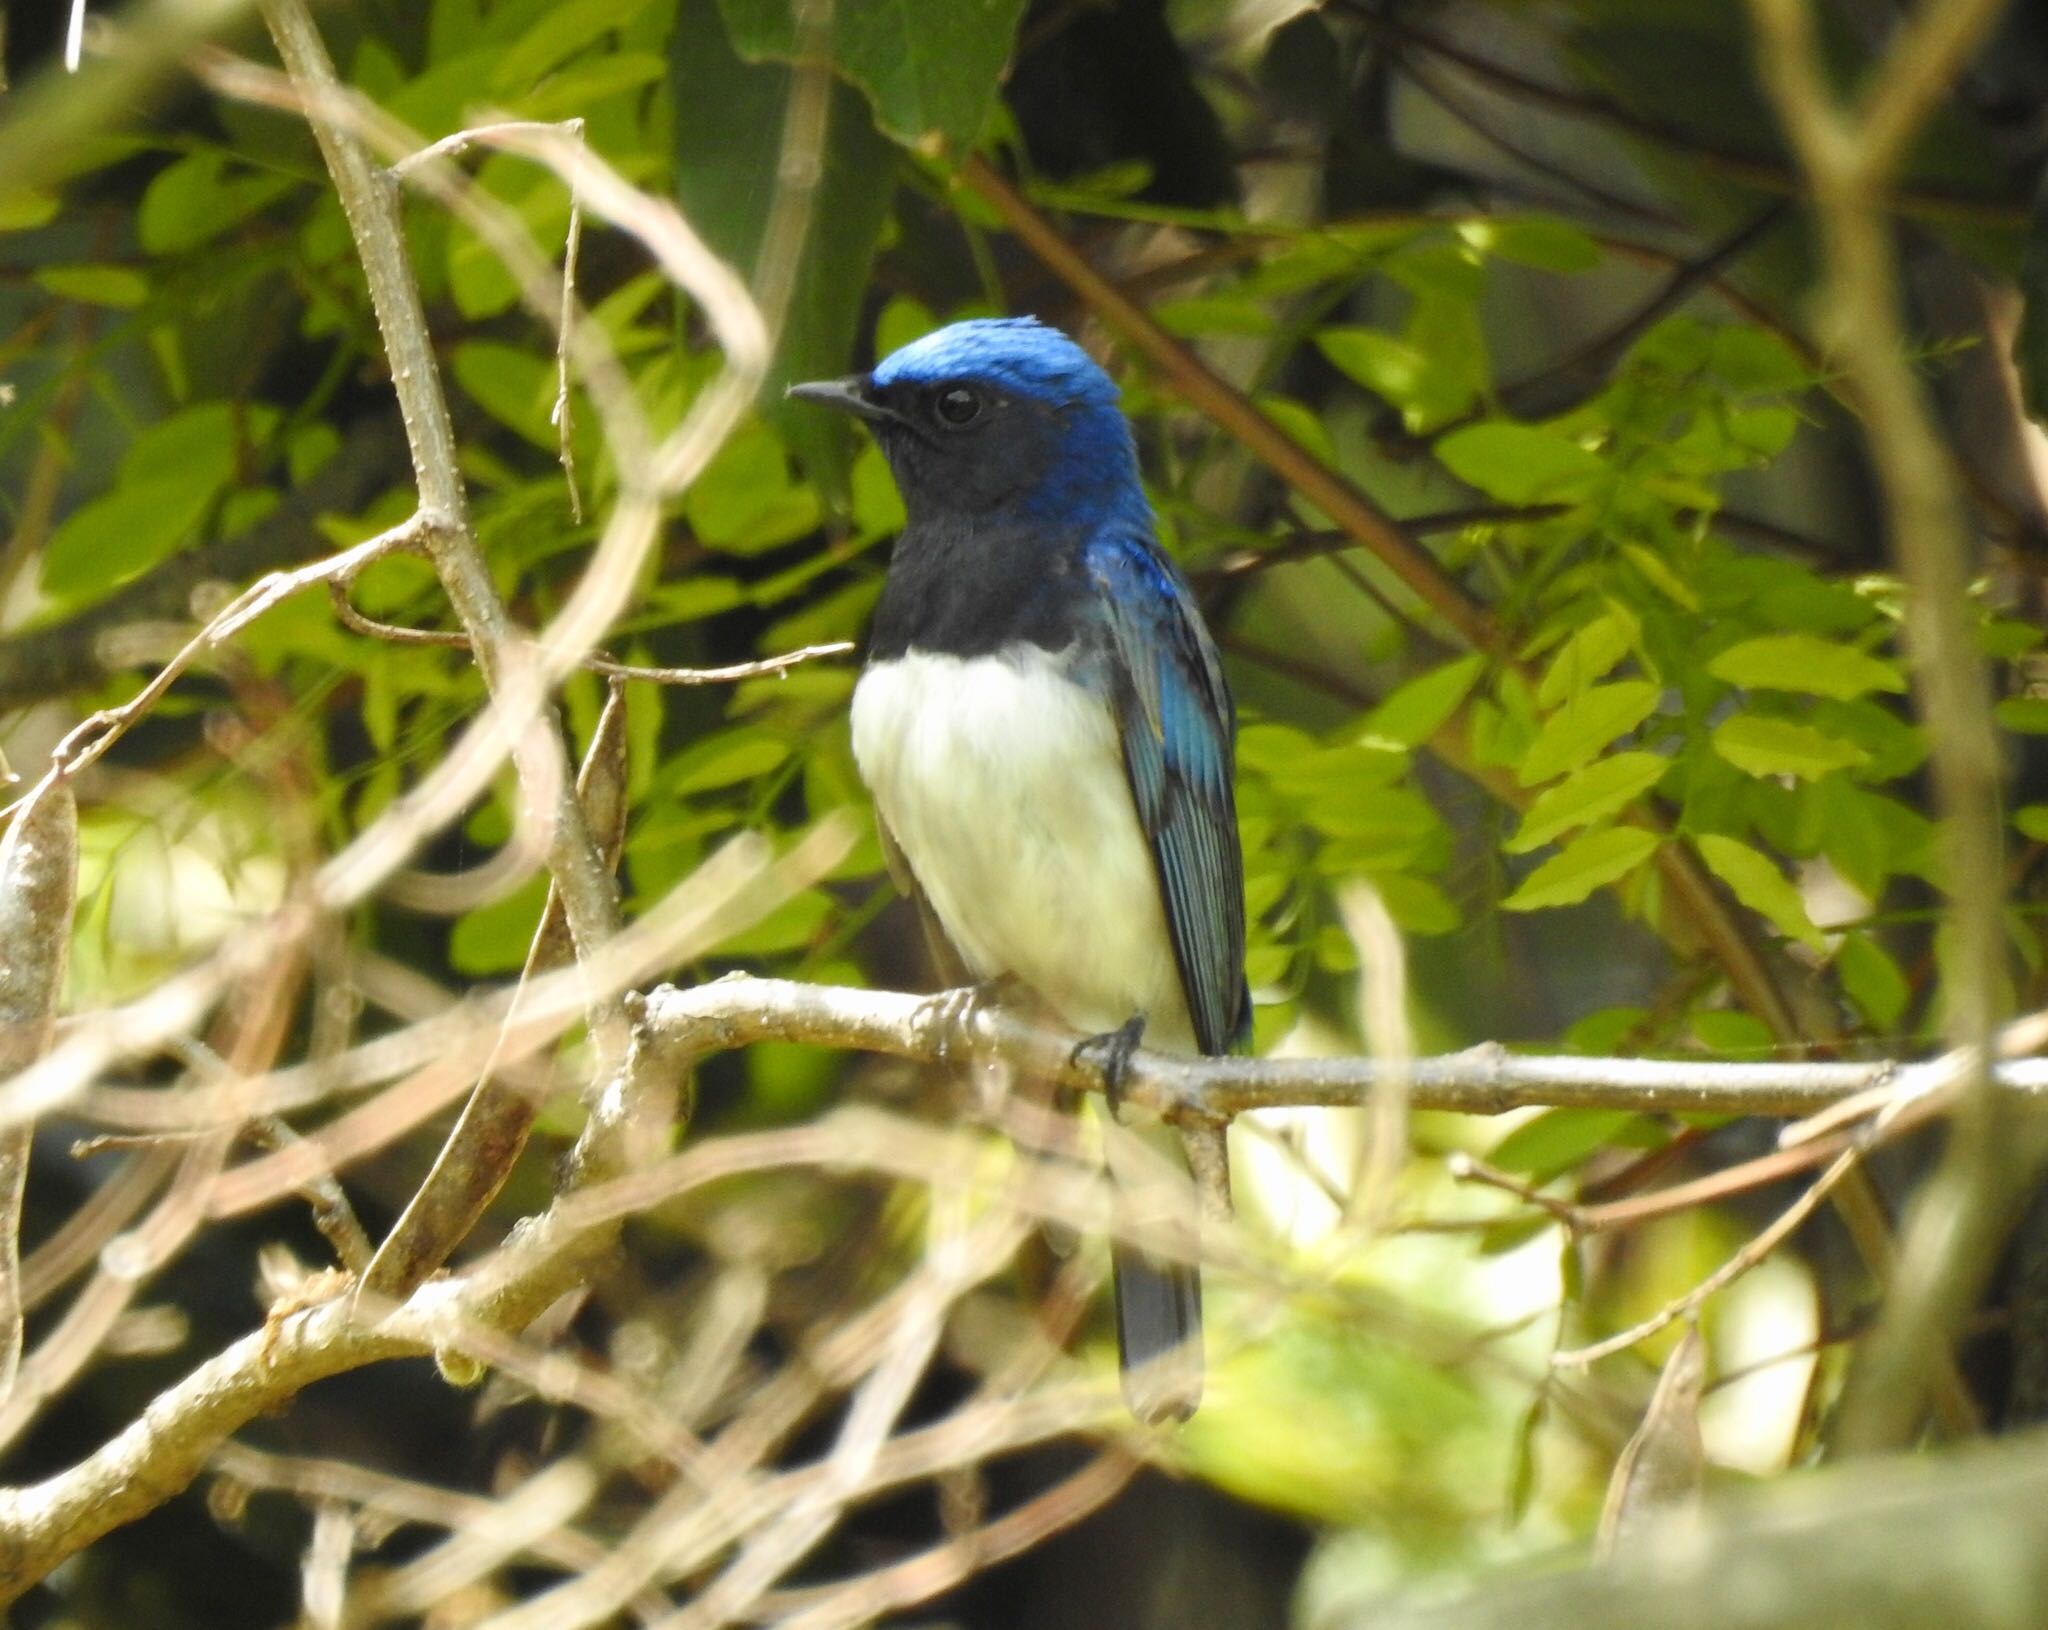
x: 1758, y: 884
x: 2007, y: 638
x: 196, y: 444
x: 1583, y: 865
x: 1522, y: 463
x: 1754, y: 359
x: 1733, y: 1034
x: 514, y: 386
x: 1764, y: 746
x: 1804, y: 663
x: 727, y: 758
x: 1585, y: 724
x: 1658, y: 574
x: 2028, y: 715
x: 1386, y: 366
x: 192, y: 201
x: 1590, y: 654
x: 115, y: 286
x: 495, y: 938
x: 561, y: 32
x: 104, y: 543
x: 1376, y: 828
x: 1417, y: 904
x: 1413, y: 712
x: 1870, y: 837
x: 1556, y: 1140
x: 930, y: 68
x: 22, y: 210
x: 1534, y: 240
x: 2031, y: 822
x: 727, y: 141
x: 1873, y: 980
x: 1590, y: 794
x: 747, y: 500
x: 168, y: 480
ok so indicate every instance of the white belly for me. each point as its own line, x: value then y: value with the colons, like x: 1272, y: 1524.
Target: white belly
x: 1003, y: 785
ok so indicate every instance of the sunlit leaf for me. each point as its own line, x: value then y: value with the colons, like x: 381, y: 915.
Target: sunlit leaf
x: 1758, y: 884
x: 1764, y: 746
x: 1583, y: 865
x: 1589, y: 655
x: 1522, y: 463
x: 1600, y: 789
x: 1802, y: 662
x: 1416, y: 710
x: 1585, y: 724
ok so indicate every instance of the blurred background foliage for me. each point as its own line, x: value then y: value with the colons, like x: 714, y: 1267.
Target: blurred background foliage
x: 1533, y: 279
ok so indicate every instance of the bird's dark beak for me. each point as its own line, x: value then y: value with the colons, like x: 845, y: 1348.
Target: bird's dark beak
x: 850, y: 395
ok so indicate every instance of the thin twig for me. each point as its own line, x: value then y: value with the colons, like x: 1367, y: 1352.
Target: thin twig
x: 1753, y: 1251
x: 596, y: 661
x: 589, y: 895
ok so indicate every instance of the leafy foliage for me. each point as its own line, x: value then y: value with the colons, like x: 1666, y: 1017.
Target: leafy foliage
x: 1699, y: 661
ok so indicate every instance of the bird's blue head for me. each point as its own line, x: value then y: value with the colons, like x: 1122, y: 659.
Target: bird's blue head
x: 1000, y: 418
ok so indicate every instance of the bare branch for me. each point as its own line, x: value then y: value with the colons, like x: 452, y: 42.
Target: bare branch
x: 595, y: 662
x: 590, y: 898
x: 1486, y: 1080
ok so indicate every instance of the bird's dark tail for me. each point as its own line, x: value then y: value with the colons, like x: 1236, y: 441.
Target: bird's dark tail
x: 1158, y: 1296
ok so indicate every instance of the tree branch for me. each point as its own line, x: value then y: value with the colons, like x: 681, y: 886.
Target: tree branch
x: 369, y: 200
x: 170, y: 1443
x: 681, y: 1026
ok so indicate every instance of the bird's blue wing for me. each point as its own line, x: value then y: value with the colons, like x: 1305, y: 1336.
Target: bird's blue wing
x: 1175, y: 720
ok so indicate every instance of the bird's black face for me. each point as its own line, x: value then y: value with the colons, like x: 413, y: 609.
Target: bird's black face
x: 955, y: 446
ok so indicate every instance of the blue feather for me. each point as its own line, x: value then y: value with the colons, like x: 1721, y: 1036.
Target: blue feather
x: 1174, y: 722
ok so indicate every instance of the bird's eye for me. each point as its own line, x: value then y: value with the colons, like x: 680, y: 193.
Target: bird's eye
x: 958, y: 406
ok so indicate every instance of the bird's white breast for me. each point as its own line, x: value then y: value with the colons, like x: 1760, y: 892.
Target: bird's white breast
x: 1002, y: 783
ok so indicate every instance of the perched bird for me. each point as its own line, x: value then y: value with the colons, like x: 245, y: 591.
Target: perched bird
x: 1045, y: 728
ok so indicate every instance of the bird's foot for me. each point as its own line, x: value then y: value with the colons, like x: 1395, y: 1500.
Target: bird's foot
x: 946, y: 1017
x: 1111, y: 1053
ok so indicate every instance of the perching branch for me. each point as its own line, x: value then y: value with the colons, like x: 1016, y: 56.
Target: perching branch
x: 684, y: 1025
